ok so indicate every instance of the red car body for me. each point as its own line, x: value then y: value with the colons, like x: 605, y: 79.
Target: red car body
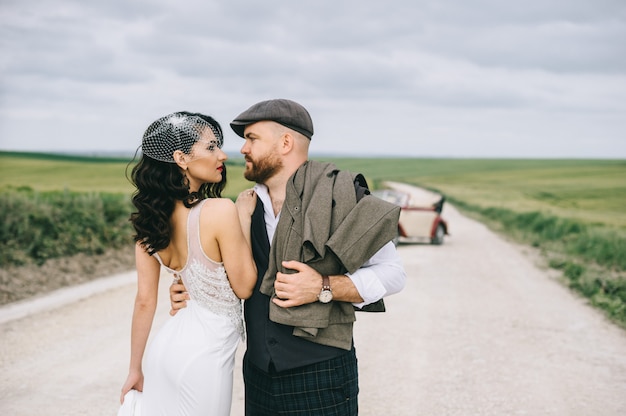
x: 420, y: 213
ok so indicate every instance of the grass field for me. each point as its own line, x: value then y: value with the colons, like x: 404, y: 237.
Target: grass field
x: 45, y: 172
x: 574, y: 211
x: 592, y: 191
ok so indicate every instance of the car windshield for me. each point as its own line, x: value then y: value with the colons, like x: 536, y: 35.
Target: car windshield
x: 389, y: 195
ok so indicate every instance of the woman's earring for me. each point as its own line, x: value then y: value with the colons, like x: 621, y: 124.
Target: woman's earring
x: 192, y: 197
x: 185, y: 181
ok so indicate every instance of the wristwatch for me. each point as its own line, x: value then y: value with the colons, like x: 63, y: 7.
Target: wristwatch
x: 326, y: 295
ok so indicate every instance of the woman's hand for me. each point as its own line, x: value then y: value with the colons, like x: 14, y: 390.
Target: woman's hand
x: 134, y: 381
x: 246, y: 203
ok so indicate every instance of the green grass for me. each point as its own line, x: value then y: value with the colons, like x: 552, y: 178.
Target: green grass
x: 572, y: 210
x: 44, y: 172
x: 592, y: 191
x: 57, y: 173
x: 39, y: 226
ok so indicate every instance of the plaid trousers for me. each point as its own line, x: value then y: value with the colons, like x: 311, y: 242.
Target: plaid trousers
x: 328, y: 388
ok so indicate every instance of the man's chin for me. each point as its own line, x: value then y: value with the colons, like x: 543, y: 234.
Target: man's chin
x: 249, y: 175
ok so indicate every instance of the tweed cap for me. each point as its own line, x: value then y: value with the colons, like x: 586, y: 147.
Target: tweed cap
x: 286, y: 112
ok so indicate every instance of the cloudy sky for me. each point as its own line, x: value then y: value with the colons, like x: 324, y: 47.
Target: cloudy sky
x: 424, y: 78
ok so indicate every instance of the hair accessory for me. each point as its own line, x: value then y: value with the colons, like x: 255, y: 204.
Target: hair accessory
x: 176, y: 131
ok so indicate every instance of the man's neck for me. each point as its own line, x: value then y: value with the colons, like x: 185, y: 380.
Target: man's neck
x: 277, y: 187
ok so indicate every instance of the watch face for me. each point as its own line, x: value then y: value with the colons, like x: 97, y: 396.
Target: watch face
x: 326, y: 296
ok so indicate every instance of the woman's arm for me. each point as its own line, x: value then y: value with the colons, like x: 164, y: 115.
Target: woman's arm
x: 234, y: 246
x: 148, y: 270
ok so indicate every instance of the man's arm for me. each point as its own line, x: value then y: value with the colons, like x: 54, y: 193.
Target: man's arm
x: 380, y: 276
x: 305, y: 285
x: 178, y: 297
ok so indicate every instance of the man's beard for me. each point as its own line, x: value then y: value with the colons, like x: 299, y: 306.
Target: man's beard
x: 263, y: 169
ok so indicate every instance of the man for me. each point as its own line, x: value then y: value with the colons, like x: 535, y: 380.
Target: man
x: 321, y: 251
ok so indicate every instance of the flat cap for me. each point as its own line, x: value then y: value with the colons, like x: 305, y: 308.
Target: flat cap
x: 286, y: 112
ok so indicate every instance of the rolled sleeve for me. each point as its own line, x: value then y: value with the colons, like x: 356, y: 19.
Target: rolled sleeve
x: 382, y: 275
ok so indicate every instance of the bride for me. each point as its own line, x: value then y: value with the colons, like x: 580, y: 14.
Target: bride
x: 183, y: 226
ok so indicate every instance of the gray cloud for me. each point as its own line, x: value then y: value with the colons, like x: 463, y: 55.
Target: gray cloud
x: 436, y: 78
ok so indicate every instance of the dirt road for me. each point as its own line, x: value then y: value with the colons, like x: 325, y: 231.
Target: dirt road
x: 479, y: 330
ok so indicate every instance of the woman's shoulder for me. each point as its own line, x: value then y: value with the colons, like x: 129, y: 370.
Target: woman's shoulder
x: 219, y: 202
x: 218, y: 207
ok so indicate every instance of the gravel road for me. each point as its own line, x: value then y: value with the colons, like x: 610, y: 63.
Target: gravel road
x: 478, y: 330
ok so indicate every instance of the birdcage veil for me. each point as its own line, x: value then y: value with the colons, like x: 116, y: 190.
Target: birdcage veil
x: 176, y: 131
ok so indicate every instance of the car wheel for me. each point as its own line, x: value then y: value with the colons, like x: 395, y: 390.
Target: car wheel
x: 440, y: 232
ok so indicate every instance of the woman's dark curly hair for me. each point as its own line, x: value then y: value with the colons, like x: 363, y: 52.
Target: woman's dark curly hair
x: 158, y: 186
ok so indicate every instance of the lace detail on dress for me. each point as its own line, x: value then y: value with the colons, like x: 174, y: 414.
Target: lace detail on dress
x: 211, y: 289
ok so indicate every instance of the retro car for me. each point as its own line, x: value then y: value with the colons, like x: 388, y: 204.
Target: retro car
x: 420, y: 214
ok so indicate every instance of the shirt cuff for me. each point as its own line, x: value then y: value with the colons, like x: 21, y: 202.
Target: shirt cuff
x: 368, y: 285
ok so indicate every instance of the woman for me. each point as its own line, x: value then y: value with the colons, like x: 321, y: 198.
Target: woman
x: 183, y: 225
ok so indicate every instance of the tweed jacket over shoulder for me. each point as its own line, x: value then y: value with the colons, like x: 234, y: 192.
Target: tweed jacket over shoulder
x: 321, y: 224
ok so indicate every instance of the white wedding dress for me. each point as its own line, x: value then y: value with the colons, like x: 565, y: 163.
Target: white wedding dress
x: 188, y: 367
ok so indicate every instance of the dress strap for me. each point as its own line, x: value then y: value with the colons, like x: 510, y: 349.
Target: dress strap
x: 156, y: 256
x: 193, y: 229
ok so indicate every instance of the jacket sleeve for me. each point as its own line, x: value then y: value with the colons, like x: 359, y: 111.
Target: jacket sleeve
x: 358, y: 239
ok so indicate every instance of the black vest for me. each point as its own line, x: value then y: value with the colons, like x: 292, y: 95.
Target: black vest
x: 269, y: 342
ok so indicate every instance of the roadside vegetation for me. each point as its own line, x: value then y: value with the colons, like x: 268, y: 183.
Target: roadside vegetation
x: 56, y: 206
x: 39, y: 226
x: 592, y: 257
x: 572, y: 211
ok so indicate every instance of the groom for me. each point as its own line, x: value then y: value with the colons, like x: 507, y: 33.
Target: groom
x: 300, y: 356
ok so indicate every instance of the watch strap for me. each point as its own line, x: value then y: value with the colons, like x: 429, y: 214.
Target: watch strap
x: 325, y: 282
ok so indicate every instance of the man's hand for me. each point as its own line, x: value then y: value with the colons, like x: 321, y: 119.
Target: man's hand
x: 298, y: 288
x: 178, y: 297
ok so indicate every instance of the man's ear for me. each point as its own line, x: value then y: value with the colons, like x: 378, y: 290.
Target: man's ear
x: 287, y: 142
x: 181, y: 159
